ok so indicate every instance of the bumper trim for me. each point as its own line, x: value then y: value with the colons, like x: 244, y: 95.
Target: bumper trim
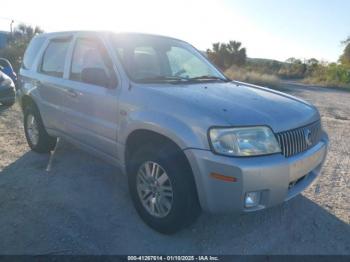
x: 301, y: 185
x: 270, y: 174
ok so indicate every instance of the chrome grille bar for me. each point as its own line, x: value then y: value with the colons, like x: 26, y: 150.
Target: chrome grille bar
x: 294, y: 141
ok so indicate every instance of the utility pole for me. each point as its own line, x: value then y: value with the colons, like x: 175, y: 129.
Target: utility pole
x: 11, y: 37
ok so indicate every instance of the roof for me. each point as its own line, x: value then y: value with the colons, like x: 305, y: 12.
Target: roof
x: 63, y: 33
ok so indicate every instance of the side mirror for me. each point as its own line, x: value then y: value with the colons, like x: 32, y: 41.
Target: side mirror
x: 95, y: 76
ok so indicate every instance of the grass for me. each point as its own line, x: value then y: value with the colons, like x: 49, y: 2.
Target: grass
x: 326, y: 83
x: 241, y: 74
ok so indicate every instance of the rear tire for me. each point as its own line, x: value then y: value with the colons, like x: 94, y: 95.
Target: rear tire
x: 184, y: 202
x: 37, y: 137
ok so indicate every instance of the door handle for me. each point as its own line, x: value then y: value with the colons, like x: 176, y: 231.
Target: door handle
x: 72, y: 93
x: 36, y: 83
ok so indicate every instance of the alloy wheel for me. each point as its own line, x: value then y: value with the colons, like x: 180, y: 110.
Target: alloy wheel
x: 154, y: 189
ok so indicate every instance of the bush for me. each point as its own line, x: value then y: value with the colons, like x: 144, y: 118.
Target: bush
x: 14, y: 53
x: 333, y: 75
x: 244, y: 75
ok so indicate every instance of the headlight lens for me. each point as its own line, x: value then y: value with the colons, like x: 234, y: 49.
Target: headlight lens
x: 244, y: 141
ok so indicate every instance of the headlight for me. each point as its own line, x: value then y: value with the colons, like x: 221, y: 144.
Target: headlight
x: 244, y: 141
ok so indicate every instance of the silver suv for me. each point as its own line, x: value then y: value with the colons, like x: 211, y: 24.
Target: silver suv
x: 187, y: 137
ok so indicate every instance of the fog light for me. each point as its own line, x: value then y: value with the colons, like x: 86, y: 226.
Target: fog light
x: 252, y: 199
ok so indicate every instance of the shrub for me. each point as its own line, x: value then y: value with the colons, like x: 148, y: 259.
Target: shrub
x: 244, y: 75
x: 333, y: 75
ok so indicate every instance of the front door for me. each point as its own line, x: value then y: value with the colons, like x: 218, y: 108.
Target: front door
x: 93, y: 103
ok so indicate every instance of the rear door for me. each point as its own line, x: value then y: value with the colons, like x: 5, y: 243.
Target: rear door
x: 92, y: 108
x: 50, y: 83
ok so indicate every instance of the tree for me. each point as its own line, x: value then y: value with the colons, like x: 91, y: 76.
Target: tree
x: 346, y: 41
x: 344, y: 59
x: 18, y: 43
x: 225, y: 55
x: 312, y: 65
x: 312, y: 62
x: 291, y: 60
x: 217, y: 54
x: 237, y: 54
x: 294, y: 68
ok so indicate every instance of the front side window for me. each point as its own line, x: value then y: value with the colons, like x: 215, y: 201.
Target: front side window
x: 54, y: 58
x: 146, y: 62
x: 89, y: 54
x: 157, y: 59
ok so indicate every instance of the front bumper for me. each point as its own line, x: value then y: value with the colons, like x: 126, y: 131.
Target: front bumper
x: 277, y: 178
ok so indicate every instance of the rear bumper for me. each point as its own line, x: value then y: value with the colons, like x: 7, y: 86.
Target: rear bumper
x: 277, y: 178
x: 7, y: 95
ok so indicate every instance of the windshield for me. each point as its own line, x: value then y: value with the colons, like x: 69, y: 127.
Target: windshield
x: 148, y: 59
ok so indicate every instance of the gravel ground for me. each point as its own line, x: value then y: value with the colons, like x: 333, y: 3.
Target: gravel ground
x: 82, y: 205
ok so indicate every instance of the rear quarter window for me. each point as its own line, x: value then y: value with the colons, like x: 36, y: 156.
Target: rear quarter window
x: 32, y: 52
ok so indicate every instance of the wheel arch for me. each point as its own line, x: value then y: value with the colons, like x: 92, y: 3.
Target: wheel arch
x: 142, y: 136
x: 145, y: 136
x: 27, y: 100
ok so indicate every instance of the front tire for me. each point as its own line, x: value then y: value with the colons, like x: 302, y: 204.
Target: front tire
x: 37, y: 137
x: 162, y: 188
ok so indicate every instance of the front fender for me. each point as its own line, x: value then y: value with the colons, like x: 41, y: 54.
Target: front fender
x: 182, y: 134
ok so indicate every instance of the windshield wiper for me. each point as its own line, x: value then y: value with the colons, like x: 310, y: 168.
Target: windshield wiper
x: 156, y: 79
x: 207, y: 77
x: 178, y: 79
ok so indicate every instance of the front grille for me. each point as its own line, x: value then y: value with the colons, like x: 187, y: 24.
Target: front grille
x: 298, y: 140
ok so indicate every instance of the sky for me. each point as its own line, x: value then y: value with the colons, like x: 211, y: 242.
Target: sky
x: 275, y: 29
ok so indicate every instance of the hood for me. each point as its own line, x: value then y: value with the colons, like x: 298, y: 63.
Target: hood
x: 244, y: 104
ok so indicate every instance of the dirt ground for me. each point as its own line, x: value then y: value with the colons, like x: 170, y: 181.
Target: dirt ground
x: 82, y: 205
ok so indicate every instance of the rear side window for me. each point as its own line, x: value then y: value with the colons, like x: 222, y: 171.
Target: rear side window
x: 32, y: 52
x: 54, y: 58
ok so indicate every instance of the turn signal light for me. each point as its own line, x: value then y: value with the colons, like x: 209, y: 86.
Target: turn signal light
x: 223, y: 178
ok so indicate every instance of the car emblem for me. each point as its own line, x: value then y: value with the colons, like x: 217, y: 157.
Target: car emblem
x: 307, y: 136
